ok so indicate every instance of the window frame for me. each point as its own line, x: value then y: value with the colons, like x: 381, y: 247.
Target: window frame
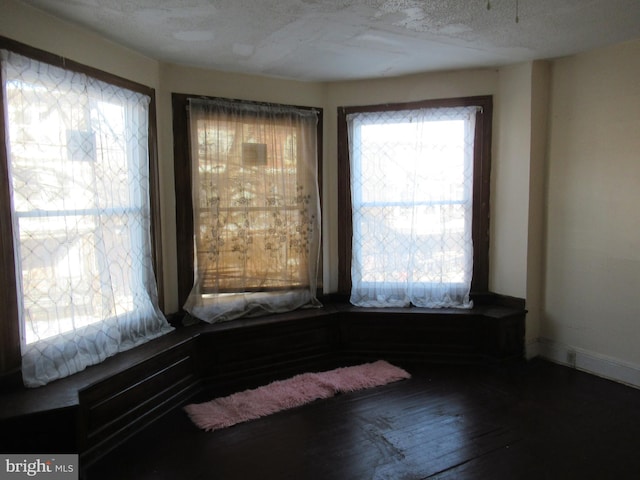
x: 10, y: 348
x: 481, y: 184
x: 183, y: 178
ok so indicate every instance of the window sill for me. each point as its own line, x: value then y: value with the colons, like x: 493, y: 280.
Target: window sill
x: 63, y: 393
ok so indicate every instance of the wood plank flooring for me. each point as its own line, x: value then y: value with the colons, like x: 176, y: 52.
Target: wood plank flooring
x: 534, y: 420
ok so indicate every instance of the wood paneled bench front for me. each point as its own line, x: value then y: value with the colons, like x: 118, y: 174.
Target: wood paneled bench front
x: 93, y: 411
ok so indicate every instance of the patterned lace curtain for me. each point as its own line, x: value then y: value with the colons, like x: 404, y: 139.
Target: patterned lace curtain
x: 79, y: 172
x: 256, y: 209
x: 411, y: 184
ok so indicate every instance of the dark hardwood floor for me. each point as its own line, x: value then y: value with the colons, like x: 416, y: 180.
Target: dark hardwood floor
x: 534, y: 420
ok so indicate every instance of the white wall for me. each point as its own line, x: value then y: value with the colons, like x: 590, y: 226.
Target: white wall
x: 592, y: 280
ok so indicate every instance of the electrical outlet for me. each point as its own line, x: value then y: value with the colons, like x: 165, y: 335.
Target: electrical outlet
x: 571, y: 358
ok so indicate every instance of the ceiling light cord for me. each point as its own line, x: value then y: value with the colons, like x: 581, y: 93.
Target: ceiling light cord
x: 517, y: 9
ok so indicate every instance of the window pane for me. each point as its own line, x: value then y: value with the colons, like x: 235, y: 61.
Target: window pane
x: 65, y: 275
x: 79, y: 171
x: 411, y: 183
x: 76, y: 207
x: 252, y: 215
x: 431, y: 250
x: 399, y: 156
x: 256, y: 208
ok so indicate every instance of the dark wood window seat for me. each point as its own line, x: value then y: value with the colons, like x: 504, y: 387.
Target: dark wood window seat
x: 96, y: 409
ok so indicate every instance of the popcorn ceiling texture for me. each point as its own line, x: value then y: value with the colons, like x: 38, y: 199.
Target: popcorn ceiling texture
x: 322, y: 40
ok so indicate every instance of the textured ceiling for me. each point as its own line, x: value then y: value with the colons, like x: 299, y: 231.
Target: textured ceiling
x: 324, y: 40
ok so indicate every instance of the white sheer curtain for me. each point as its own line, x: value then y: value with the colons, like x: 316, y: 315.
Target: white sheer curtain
x: 256, y: 209
x: 412, y: 186
x: 79, y: 167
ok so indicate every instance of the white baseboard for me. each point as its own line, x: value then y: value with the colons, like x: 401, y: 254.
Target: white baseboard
x: 587, y: 361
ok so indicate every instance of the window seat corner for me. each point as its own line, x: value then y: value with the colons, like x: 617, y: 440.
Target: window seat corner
x: 94, y: 410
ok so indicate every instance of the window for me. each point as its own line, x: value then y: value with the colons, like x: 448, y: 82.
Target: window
x: 78, y: 175
x: 414, y: 189
x: 254, y: 205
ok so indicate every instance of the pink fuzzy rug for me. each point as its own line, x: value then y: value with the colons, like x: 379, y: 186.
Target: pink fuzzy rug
x: 293, y: 392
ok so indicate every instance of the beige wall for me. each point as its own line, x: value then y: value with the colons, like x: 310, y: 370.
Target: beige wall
x: 592, y: 281
x: 540, y: 91
x: 518, y: 189
x: 510, y: 181
x: 28, y: 25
